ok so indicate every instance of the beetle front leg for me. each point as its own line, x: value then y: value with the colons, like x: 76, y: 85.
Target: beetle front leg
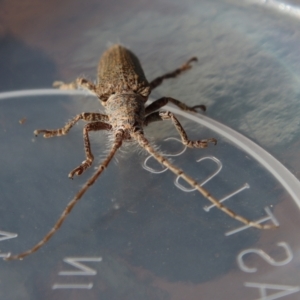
x: 87, y: 147
x: 85, y: 116
x: 167, y: 115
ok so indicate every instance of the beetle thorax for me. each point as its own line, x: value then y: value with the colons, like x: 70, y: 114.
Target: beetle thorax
x: 125, y: 111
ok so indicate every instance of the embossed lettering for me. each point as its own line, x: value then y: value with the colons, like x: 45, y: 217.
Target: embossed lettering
x: 270, y: 217
x: 151, y: 170
x: 263, y: 287
x: 219, y: 168
x: 4, y: 235
x: 84, y: 270
x: 245, y: 186
x: 266, y: 257
x: 87, y: 286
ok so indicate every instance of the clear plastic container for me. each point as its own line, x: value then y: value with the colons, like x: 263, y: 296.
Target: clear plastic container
x: 140, y: 232
x: 139, y: 228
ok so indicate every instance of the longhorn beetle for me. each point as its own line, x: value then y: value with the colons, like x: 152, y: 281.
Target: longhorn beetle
x: 123, y: 90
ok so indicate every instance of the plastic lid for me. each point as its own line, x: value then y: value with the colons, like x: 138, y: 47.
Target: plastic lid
x: 139, y: 231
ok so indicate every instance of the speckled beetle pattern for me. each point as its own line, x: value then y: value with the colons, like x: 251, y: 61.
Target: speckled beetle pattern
x: 123, y: 90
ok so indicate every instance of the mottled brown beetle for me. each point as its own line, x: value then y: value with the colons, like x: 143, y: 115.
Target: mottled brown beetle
x: 123, y: 90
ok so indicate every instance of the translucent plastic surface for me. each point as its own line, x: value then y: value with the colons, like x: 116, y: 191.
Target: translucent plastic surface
x: 138, y: 229
x: 140, y: 232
